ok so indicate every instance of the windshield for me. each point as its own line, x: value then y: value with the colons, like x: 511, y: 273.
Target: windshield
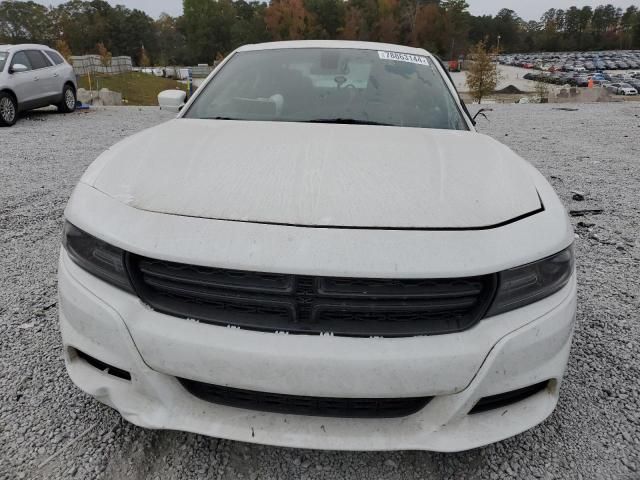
x: 3, y: 60
x: 330, y: 86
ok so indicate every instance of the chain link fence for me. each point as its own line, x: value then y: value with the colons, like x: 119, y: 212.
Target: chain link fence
x: 92, y: 64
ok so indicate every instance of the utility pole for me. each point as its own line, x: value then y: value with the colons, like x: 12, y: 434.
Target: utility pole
x: 499, y: 37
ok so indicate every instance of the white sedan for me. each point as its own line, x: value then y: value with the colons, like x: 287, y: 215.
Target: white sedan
x: 625, y: 89
x: 320, y: 252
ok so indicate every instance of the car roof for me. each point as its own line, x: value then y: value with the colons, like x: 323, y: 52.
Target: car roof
x: 333, y: 44
x: 24, y: 46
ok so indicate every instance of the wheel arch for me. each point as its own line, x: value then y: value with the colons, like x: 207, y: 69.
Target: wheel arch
x: 10, y: 92
x: 71, y: 84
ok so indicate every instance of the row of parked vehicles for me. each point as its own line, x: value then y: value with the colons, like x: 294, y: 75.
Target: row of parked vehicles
x: 618, y: 84
x: 575, y: 61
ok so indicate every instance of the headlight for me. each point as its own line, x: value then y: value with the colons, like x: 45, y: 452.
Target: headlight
x: 528, y: 284
x: 96, y: 257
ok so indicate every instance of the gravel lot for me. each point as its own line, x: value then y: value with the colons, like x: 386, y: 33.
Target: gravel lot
x: 49, y: 429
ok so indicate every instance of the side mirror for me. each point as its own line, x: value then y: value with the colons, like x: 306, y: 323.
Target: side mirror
x: 19, y: 68
x: 481, y: 112
x: 172, y: 100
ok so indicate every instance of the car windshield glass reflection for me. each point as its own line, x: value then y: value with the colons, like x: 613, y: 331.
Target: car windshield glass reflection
x: 323, y: 85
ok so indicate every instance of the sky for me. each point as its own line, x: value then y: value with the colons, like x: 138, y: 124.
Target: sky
x: 527, y: 9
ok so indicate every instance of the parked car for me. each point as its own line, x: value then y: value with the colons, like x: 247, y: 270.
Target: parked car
x: 582, y: 81
x: 612, y: 87
x: 569, y: 61
x: 34, y: 76
x: 621, y: 88
x: 321, y: 234
x: 635, y: 84
x: 626, y: 89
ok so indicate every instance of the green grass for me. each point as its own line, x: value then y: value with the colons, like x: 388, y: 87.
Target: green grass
x: 136, y: 88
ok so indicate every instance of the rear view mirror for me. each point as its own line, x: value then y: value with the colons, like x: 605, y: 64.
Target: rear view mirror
x: 172, y: 100
x: 19, y: 68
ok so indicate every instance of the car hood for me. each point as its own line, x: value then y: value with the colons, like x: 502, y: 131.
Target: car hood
x: 321, y: 175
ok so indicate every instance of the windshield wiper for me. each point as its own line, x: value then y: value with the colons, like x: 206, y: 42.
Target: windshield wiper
x: 347, y: 121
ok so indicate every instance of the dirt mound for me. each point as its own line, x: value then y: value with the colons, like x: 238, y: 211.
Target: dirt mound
x: 511, y: 89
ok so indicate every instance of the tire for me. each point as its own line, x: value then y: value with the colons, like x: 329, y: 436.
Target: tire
x: 68, y: 104
x: 8, y: 110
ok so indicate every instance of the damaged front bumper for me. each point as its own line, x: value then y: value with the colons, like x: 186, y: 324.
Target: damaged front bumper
x: 501, y: 354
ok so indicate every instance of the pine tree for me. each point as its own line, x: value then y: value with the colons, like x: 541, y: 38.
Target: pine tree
x: 144, y: 58
x: 482, y: 77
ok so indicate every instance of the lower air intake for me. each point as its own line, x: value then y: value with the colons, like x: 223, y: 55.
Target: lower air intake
x: 308, y: 406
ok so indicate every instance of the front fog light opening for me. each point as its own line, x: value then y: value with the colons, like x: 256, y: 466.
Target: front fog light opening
x: 99, y: 364
x: 509, y: 398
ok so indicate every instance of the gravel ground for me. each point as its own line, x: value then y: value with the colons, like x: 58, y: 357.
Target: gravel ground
x: 49, y: 429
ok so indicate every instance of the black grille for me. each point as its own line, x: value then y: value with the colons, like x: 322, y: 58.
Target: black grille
x: 309, y: 406
x: 298, y: 304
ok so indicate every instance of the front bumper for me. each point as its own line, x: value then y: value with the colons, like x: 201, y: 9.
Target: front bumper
x: 501, y: 354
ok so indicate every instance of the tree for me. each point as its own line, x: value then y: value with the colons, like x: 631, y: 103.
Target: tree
x: 327, y: 18
x: 628, y: 23
x: 287, y: 19
x: 430, y: 29
x: 482, y: 76
x: 387, y: 28
x: 128, y: 29
x: 84, y: 24
x: 542, y: 91
x: 171, y: 43
x: 635, y: 34
x: 63, y: 47
x: 105, y: 55
x: 509, y: 26
x: 208, y: 28
x: 354, y: 25
x: 586, y: 14
x: 456, y: 17
x: 369, y: 16
x: 144, y: 60
x: 249, y: 26
x: 24, y: 22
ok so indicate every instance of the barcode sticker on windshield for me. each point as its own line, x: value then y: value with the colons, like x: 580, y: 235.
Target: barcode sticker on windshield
x: 403, y: 57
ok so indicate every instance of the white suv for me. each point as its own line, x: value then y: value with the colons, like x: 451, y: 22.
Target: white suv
x: 34, y: 76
